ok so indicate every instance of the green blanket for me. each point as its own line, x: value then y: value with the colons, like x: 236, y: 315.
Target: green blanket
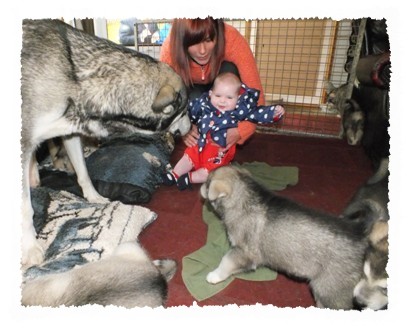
x: 198, y: 264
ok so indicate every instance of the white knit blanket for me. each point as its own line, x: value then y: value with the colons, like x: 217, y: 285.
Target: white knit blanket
x: 76, y: 232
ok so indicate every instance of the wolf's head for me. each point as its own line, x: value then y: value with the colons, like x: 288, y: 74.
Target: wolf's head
x: 171, y: 101
x: 225, y: 188
x: 336, y: 97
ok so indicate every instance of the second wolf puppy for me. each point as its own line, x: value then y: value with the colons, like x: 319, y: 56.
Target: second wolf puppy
x: 127, y: 278
x: 265, y: 229
x: 371, y: 291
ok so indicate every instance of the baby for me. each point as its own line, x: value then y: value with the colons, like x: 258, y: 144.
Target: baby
x: 228, y: 102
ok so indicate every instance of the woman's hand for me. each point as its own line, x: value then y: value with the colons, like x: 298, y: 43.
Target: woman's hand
x: 190, y: 139
x: 233, y: 137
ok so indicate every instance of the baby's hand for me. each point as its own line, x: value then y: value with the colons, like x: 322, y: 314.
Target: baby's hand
x: 279, y: 112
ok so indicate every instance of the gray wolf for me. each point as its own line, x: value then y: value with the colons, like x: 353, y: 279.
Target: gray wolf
x: 76, y: 84
x: 370, y: 204
x: 265, y: 229
x: 127, y: 278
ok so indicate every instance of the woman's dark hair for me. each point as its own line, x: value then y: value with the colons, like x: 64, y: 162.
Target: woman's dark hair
x: 188, y: 32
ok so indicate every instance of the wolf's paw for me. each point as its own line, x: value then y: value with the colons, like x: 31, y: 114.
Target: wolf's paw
x: 213, y: 277
x: 90, y: 193
x: 98, y: 199
x: 95, y: 197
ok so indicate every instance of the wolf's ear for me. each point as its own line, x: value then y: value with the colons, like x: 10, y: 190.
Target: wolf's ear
x: 329, y: 86
x: 167, y: 268
x: 166, y: 96
x: 218, y: 189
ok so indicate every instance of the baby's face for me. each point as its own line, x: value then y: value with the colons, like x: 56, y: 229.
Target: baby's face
x: 224, y: 97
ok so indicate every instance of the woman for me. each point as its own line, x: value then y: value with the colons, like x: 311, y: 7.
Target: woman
x: 200, y: 49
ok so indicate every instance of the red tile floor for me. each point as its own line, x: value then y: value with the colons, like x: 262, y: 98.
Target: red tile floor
x: 330, y: 171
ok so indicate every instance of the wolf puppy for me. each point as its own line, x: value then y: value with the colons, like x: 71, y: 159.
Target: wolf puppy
x: 75, y: 84
x: 127, y: 278
x: 371, y: 292
x: 265, y: 229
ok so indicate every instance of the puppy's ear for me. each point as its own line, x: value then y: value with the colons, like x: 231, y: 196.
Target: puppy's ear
x: 164, y: 98
x: 218, y: 189
x: 243, y: 171
x: 379, y: 235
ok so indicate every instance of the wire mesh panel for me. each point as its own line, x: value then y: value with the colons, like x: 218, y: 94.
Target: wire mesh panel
x: 296, y: 61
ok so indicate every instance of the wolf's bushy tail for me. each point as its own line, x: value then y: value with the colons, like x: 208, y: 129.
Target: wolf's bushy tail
x: 381, y: 173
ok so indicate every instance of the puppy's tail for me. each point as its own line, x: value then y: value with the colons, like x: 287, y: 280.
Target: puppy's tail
x: 381, y: 173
